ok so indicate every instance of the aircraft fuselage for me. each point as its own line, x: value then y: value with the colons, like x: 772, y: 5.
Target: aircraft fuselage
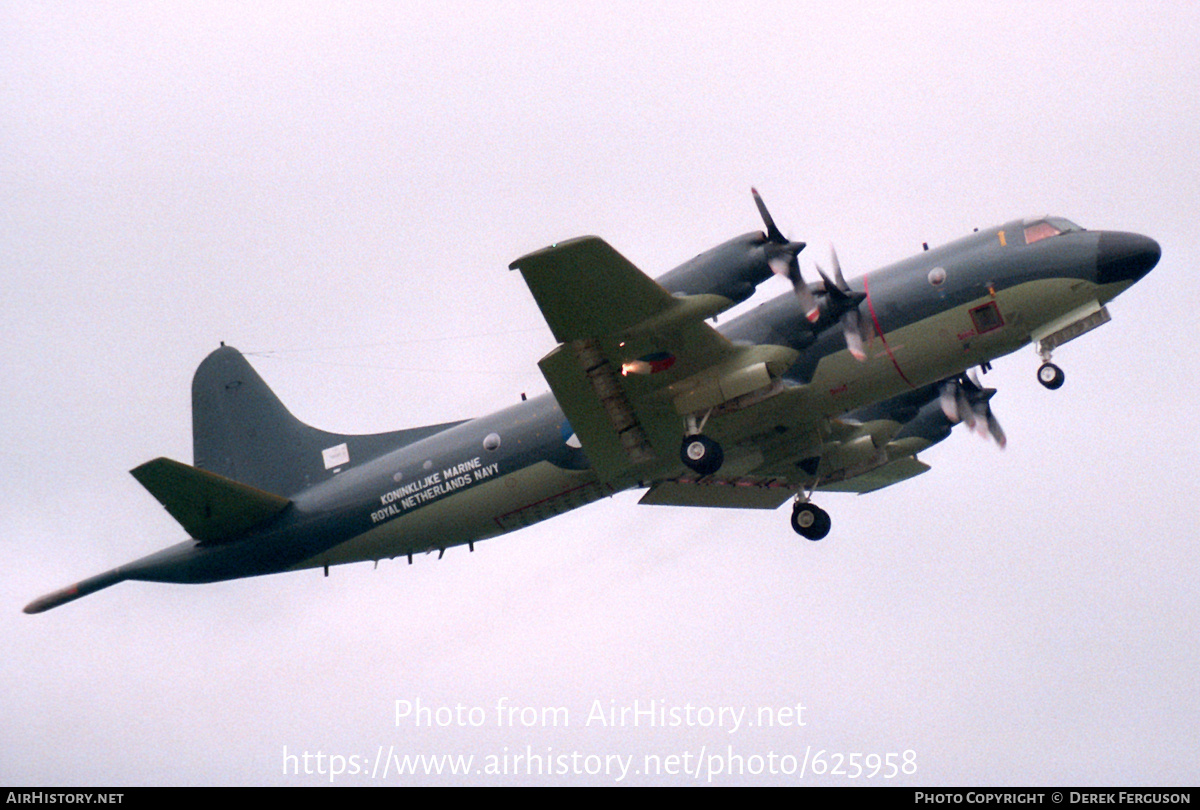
x: 930, y: 317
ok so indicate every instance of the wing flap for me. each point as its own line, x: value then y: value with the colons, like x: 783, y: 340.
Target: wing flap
x: 210, y: 507
x: 586, y: 388
x: 722, y: 494
x: 884, y: 476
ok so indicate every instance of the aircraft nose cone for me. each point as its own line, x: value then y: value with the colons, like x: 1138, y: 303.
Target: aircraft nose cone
x: 1125, y: 256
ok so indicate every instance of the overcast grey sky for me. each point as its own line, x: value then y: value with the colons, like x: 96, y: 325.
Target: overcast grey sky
x: 340, y: 187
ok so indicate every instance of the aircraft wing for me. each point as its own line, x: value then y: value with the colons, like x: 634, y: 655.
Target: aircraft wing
x: 846, y: 458
x: 635, y: 360
x: 586, y: 289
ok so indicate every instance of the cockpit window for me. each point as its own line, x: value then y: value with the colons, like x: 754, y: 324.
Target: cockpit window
x: 1037, y: 230
x: 1063, y: 225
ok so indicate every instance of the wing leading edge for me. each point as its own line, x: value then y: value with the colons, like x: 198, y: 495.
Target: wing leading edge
x: 634, y: 360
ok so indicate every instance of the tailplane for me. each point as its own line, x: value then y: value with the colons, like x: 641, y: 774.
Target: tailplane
x: 210, y: 507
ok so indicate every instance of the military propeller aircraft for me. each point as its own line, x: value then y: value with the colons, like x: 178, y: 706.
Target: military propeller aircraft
x: 835, y: 387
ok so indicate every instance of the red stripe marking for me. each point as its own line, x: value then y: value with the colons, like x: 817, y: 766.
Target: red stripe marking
x: 879, y: 331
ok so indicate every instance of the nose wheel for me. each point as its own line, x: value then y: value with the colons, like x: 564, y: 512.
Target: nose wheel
x: 810, y: 521
x: 1051, y: 376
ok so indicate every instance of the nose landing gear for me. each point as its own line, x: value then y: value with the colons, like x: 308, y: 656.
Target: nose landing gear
x: 1049, y: 374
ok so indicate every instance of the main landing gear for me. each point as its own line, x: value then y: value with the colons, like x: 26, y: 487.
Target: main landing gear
x: 703, y: 456
x: 699, y: 453
x: 809, y: 520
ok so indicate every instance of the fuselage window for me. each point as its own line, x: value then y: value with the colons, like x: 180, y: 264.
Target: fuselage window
x: 986, y: 318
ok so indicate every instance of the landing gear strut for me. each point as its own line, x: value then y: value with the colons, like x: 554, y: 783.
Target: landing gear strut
x: 810, y: 521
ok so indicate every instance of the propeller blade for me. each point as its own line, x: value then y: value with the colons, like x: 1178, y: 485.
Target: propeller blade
x: 773, y: 233
x: 781, y: 257
x: 835, y: 291
x: 949, y: 401
x: 782, y: 268
x: 997, y: 432
x: 837, y: 269
x: 830, y: 286
x: 964, y: 399
x: 852, y: 327
x: 964, y: 408
x: 808, y: 301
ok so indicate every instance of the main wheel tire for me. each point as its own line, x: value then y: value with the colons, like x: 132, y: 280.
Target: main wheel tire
x: 811, y: 521
x: 822, y: 526
x: 1051, y: 376
x: 701, y: 454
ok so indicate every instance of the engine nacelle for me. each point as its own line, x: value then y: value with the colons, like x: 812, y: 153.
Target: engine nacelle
x: 732, y: 270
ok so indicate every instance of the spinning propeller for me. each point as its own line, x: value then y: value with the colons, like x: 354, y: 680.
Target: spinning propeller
x: 964, y: 399
x: 781, y: 256
x: 843, y: 302
x: 843, y: 299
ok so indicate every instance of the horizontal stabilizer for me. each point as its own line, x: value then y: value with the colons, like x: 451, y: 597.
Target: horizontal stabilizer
x: 210, y: 507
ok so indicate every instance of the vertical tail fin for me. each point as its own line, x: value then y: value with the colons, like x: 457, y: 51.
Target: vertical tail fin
x: 242, y: 431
